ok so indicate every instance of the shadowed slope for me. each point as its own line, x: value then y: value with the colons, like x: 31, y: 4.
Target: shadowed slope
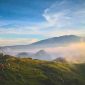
x: 25, y: 71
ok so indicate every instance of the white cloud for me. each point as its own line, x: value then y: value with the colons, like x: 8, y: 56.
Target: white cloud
x: 65, y: 14
x: 61, y: 18
x: 74, y: 52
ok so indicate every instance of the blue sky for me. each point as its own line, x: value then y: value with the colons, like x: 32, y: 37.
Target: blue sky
x: 27, y: 21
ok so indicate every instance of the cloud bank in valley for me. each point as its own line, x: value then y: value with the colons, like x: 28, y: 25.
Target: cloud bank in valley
x: 73, y: 52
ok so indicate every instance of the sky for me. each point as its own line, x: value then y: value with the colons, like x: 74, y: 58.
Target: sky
x: 28, y: 21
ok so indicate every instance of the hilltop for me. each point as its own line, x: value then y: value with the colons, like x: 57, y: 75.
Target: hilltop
x: 28, y: 71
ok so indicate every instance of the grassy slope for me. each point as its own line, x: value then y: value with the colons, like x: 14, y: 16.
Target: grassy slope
x: 18, y: 71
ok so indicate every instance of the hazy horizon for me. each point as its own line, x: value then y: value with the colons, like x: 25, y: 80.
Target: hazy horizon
x: 27, y: 21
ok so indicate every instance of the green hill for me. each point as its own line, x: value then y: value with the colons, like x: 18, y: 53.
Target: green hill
x: 25, y: 71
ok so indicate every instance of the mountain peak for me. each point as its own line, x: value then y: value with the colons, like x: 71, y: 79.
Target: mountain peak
x: 42, y: 55
x: 60, y: 59
x: 41, y: 51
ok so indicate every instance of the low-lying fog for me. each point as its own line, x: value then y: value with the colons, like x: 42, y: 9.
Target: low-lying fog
x: 74, y: 52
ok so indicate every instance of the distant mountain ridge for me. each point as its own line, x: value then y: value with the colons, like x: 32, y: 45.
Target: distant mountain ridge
x: 50, y: 42
x: 61, y: 39
x: 41, y: 55
x: 60, y: 59
x: 24, y: 54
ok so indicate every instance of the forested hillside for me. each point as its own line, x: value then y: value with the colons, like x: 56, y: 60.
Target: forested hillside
x: 26, y: 71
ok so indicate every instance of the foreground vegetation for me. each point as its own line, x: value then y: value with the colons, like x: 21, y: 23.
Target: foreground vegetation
x: 25, y: 71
